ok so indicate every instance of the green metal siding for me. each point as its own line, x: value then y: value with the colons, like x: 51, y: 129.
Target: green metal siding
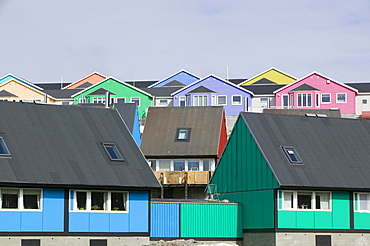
x: 242, y: 166
x: 210, y: 221
x: 337, y: 218
x: 121, y: 91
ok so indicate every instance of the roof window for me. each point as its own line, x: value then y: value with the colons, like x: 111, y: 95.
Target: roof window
x: 292, y: 155
x: 3, y: 149
x: 112, y: 152
x: 183, y: 134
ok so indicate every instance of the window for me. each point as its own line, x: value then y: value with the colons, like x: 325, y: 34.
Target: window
x: 325, y: 98
x: 193, y: 165
x: 292, y: 155
x: 183, y: 134
x: 100, y: 201
x: 304, y: 100
x: 221, y: 100
x: 341, y: 97
x: 285, y: 101
x: 121, y: 100
x: 113, y: 152
x: 179, y: 165
x: 206, y: 165
x: 65, y: 103
x: 182, y: 101
x: 301, y: 200
x: 20, y: 199
x: 163, y: 102
x: 364, y: 101
x: 184, y: 165
x: 200, y: 100
x: 164, y: 165
x: 3, y: 149
x: 317, y: 100
x: 236, y: 100
x: 99, y: 100
x: 81, y: 100
x: 136, y: 100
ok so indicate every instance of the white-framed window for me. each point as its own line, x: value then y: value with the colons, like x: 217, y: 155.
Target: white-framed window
x: 364, y: 101
x: 304, y: 100
x: 135, y: 100
x: 182, y: 101
x: 305, y: 200
x: 236, y: 100
x: 341, y: 97
x: 200, y: 100
x: 120, y: 100
x: 20, y: 199
x: 81, y: 100
x: 285, y: 101
x: 100, y: 100
x: 325, y: 98
x: 183, y: 165
x: 221, y: 100
x: 163, y: 102
x: 100, y: 201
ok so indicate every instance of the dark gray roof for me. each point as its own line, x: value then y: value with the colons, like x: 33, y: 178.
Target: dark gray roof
x: 52, y: 86
x: 62, y: 145
x: 305, y: 87
x: 264, y: 81
x: 84, y: 85
x: 174, y: 83
x: 5, y: 93
x: 201, y: 89
x: 141, y: 84
x: 335, y: 151
x: 162, y: 123
x: 361, y: 87
x: 127, y: 112
x: 161, y: 91
x: 100, y: 91
x: 262, y: 89
x: 62, y: 93
x: 236, y: 81
x: 328, y: 112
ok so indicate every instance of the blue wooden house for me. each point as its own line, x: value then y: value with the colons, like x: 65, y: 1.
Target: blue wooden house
x: 179, y: 79
x: 71, y: 176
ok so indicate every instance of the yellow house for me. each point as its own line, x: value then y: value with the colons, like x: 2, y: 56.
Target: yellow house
x: 270, y: 76
x: 16, y: 90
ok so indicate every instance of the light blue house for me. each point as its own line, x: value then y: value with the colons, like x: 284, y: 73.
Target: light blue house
x: 214, y: 91
x: 181, y: 78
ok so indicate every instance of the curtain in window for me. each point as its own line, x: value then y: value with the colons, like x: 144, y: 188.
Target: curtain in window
x: 288, y: 200
x: 322, y: 200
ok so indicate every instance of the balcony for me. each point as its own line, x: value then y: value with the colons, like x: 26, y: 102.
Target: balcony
x: 183, y: 177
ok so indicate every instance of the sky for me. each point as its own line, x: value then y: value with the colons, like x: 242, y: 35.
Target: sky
x: 50, y: 41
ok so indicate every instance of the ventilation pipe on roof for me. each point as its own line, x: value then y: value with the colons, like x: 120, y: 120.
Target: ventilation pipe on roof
x: 107, y: 99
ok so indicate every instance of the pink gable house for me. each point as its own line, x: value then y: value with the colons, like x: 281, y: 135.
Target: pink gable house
x: 316, y: 91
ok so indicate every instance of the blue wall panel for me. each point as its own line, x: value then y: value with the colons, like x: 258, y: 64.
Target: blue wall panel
x: 119, y: 222
x: 10, y: 221
x: 79, y: 222
x: 99, y: 222
x: 138, y: 208
x: 53, y: 210
x: 165, y: 220
x: 31, y: 221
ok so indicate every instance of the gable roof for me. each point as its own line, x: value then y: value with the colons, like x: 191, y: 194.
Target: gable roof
x: 174, y: 83
x: 248, y: 81
x: 161, y: 91
x: 5, y: 93
x: 262, y: 89
x: 173, y: 75
x: 304, y: 87
x: 9, y: 77
x: 215, y: 77
x: 201, y: 89
x: 264, y: 81
x: 334, y: 151
x: 64, y: 147
x: 161, y: 125
x: 141, y: 84
x: 100, y: 92
x: 90, y: 75
x: 118, y: 81
x: 33, y: 88
x: 315, y: 73
x: 84, y: 85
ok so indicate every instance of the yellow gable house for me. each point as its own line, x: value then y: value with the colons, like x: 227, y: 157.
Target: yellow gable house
x: 16, y: 90
x: 270, y: 77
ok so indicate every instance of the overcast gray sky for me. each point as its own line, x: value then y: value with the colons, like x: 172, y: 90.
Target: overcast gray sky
x: 152, y: 39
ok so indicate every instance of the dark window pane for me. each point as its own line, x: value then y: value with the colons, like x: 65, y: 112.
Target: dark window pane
x: 97, y: 200
x: 30, y: 201
x: 206, y: 165
x: 304, y: 200
x: 179, y: 165
x: 3, y: 148
x: 81, y: 200
x: 9, y: 200
x: 113, y: 152
x: 118, y: 201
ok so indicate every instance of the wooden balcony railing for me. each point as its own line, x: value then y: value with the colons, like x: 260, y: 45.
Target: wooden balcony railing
x: 183, y: 177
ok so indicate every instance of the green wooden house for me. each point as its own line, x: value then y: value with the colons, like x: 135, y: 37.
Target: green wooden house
x: 301, y: 179
x: 111, y: 91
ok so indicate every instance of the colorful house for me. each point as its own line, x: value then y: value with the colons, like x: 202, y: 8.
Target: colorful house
x: 179, y: 79
x: 271, y: 76
x: 71, y: 176
x: 10, y: 77
x: 112, y: 90
x: 183, y: 145
x: 316, y: 91
x: 362, y: 98
x: 299, y: 178
x: 85, y: 82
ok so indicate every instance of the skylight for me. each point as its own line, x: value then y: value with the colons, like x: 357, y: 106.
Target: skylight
x: 3, y: 149
x: 292, y: 155
x: 113, y: 152
x: 183, y: 134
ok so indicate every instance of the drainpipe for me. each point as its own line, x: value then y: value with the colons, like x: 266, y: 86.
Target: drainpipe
x: 107, y: 99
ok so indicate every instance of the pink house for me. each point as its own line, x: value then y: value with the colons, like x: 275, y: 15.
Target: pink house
x: 316, y: 91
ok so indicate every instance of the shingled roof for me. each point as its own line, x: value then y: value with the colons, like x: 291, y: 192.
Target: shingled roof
x: 335, y: 151
x: 62, y: 146
x: 159, y: 137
